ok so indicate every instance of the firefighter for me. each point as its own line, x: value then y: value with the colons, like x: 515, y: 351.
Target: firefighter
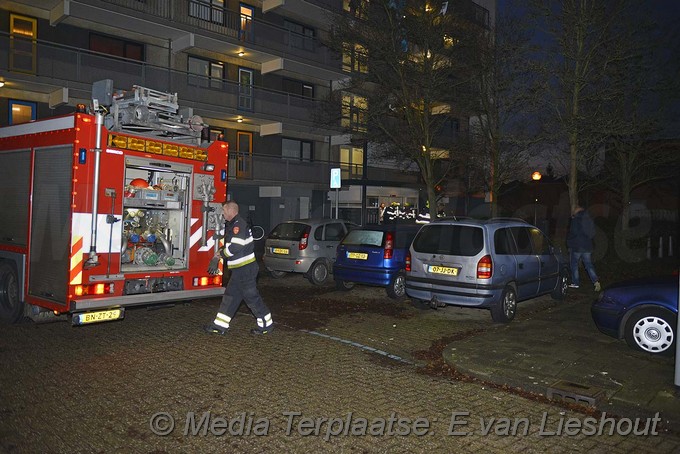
x: 239, y: 257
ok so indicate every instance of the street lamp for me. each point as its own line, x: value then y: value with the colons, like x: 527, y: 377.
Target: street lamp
x: 536, y: 176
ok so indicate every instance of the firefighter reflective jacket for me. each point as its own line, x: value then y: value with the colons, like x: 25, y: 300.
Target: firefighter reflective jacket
x: 238, y: 247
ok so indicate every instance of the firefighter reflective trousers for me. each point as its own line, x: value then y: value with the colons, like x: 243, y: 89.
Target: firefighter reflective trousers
x: 242, y: 285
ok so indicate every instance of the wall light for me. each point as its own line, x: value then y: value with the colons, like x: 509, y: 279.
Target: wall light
x: 2, y: 84
x: 239, y: 120
x: 241, y: 54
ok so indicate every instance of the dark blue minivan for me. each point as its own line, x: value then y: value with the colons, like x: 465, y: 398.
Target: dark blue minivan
x: 374, y: 255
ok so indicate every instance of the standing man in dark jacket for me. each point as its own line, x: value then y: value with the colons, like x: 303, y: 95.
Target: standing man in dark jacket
x: 239, y: 257
x: 580, y: 243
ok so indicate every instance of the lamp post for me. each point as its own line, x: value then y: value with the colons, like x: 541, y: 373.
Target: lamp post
x: 536, y: 176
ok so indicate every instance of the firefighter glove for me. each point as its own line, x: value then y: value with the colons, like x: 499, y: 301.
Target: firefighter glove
x: 213, y: 267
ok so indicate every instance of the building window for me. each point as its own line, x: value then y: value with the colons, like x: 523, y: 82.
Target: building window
x: 247, y: 12
x: 22, y: 44
x: 296, y: 149
x: 357, y: 8
x: 21, y: 111
x: 205, y: 73
x: 296, y: 87
x: 355, y: 58
x: 208, y: 10
x: 450, y: 128
x: 216, y: 134
x: 116, y: 47
x: 353, y: 112
x: 351, y: 162
x: 299, y: 36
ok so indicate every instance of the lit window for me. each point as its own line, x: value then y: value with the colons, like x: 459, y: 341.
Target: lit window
x: 21, y: 111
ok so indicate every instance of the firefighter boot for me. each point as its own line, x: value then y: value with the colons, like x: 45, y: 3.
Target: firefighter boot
x: 211, y: 328
x: 262, y: 331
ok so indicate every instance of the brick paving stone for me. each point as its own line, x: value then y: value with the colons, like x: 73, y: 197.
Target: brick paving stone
x: 95, y: 389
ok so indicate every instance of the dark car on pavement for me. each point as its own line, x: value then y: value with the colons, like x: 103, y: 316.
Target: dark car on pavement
x: 644, y: 312
x: 374, y: 255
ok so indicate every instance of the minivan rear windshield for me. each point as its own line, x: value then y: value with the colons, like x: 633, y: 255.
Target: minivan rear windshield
x: 362, y: 237
x: 288, y: 231
x: 460, y: 240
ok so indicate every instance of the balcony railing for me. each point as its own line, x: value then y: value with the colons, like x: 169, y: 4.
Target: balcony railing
x: 78, y: 68
x: 202, y: 15
x: 277, y: 169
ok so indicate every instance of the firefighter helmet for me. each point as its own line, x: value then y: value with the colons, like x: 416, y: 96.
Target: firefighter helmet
x: 139, y: 183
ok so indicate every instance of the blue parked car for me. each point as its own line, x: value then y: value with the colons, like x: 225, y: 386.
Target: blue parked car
x: 374, y: 255
x: 644, y: 312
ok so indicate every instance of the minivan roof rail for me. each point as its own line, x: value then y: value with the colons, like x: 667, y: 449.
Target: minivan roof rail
x: 508, y: 219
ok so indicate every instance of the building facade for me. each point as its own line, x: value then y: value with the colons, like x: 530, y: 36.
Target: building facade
x: 255, y: 71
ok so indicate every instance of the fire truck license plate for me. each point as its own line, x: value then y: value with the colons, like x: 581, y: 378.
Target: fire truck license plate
x: 443, y: 270
x: 100, y: 316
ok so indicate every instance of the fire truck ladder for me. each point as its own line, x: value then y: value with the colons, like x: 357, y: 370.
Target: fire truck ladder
x: 154, y: 113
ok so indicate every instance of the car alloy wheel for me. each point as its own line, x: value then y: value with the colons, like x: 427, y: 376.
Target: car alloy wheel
x: 505, y: 310
x: 397, y: 287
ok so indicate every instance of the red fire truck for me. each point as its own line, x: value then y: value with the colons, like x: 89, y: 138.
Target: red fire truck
x: 115, y: 205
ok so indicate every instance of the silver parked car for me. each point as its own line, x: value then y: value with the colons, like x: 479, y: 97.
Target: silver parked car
x: 304, y: 246
x: 488, y: 264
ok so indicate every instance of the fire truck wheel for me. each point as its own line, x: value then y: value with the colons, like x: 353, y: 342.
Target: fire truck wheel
x: 11, y: 309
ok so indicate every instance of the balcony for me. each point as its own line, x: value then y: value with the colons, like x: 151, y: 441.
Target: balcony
x: 274, y: 169
x: 195, y: 24
x: 58, y: 66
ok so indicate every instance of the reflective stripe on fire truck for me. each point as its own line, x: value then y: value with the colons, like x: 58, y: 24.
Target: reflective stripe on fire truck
x: 76, y: 275
x: 196, y: 237
x: 81, y: 225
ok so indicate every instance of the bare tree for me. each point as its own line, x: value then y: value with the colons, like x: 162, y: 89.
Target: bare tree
x: 584, y: 45
x: 502, y: 103
x: 409, y: 62
x: 641, y: 149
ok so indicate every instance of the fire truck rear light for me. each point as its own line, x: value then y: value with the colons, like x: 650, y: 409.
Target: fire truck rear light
x: 217, y: 280
x: 94, y: 289
x: 205, y: 280
x: 82, y: 156
x: 223, y: 175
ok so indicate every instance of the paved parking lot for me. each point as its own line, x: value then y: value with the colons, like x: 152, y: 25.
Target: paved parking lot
x: 357, y: 359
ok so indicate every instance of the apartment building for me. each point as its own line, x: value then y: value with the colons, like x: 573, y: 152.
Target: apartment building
x: 256, y: 71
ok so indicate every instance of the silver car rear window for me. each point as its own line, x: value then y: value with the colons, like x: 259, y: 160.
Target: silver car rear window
x: 288, y: 231
x: 459, y: 240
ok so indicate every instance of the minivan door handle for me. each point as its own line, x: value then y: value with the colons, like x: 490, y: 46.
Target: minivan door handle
x: 520, y: 266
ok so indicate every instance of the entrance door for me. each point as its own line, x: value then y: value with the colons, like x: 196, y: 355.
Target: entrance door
x: 246, y: 28
x: 245, y: 89
x: 244, y: 159
x: 22, y: 44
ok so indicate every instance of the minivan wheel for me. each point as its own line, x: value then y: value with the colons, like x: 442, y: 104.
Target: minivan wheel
x: 397, y: 287
x: 277, y: 274
x: 343, y: 285
x: 560, y: 291
x: 505, y: 310
x: 652, y: 331
x: 318, y: 273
